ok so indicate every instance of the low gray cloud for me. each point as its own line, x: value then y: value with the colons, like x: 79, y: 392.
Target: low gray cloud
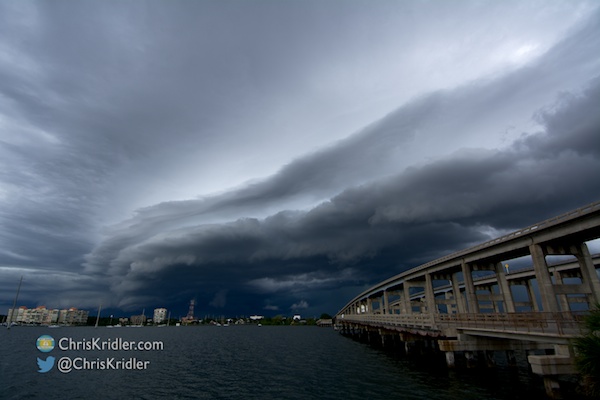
x: 301, y: 305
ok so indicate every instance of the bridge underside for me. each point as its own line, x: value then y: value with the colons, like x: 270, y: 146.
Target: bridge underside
x: 548, y: 355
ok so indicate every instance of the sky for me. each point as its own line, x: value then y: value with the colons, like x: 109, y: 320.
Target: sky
x: 279, y: 157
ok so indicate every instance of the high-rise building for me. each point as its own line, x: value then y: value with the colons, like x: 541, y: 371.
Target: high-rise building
x: 42, y: 316
x: 160, y: 315
x: 73, y: 316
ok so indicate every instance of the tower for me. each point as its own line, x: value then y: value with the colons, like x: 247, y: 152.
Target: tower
x: 190, y: 314
x: 189, y: 318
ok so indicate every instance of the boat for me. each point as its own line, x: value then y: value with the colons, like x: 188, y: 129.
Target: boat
x: 11, y: 323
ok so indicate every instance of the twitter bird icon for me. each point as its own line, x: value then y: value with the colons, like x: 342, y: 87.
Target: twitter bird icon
x: 45, y: 365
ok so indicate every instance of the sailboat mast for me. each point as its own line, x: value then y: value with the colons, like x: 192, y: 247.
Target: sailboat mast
x: 9, y: 320
x: 98, y: 316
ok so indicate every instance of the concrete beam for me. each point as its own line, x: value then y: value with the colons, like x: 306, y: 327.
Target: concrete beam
x: 552, y: 365
x: 552, y: 339
x: 571, y: 289
x: 479, y: 344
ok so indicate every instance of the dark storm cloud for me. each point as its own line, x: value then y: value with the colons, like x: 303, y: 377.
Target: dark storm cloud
x: 416, y: 132
x: 373, y: 230
x: 107, y: 108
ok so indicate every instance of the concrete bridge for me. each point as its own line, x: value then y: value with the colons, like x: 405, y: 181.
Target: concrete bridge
x: 470, y: 303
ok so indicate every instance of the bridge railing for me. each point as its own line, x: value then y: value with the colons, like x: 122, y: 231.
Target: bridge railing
x: 556, y: 323
x: 421, y: 321
x: 560, y: 323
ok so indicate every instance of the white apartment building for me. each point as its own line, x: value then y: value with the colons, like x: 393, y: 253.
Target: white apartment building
x: 43, y: 316
x: 160, y: 315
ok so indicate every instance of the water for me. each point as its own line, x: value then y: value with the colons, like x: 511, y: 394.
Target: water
x: 244, y: 362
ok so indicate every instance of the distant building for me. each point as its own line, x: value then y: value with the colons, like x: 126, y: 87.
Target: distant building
x: 42, y: 316
x: 73, y: 316
x: 138, y: 319
x: 160, y: 315
x: 297, y: 317
x: 256, y: 317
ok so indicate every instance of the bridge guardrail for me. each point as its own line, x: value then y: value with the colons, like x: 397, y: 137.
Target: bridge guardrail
x: 408, y: 320
x: 560, y: 323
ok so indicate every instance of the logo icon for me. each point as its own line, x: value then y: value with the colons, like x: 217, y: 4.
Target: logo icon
x: 45, y: 343
x: 45, y: 365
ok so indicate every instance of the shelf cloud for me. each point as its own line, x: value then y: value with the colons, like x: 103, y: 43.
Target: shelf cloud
x: 281, y: 157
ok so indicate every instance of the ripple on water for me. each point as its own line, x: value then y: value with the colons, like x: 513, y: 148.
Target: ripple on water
x: 241, y: 362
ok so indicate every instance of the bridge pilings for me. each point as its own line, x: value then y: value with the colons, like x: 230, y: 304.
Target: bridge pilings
x: 452, y: 353
x: 549, y: 360
x: 400, y: 343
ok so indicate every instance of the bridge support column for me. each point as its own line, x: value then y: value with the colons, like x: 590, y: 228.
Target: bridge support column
x: 511, y: 359
x: 493, y: 297
x: 509, y: 304
x: 552, y: 387
x: 562, y: 298
x: 551, y: 366
x: 458, y: 298
x: 542, y: 275
x: 407, y: 301
x: 489, y: 358
x: 471, y: 358
x: 430, y: 296
x: 534, y: 303
x: 588, y: 271
x: 450, y: 303
x: 384, y: 303
x: 450, y: 359
x: 470, y: 288
x: 382, y: 336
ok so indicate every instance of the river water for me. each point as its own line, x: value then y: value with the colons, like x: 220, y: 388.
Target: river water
x: 241, y: 362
